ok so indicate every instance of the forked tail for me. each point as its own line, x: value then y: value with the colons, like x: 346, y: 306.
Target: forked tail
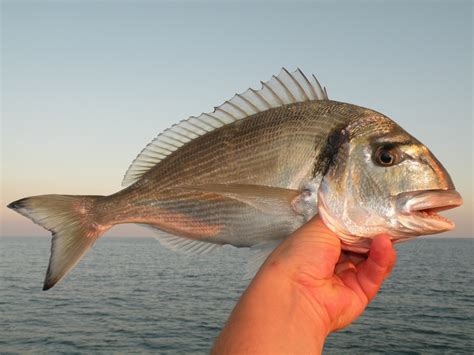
x: 71, y: 220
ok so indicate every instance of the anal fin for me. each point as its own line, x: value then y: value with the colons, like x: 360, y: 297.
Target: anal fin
x: 180, y: 244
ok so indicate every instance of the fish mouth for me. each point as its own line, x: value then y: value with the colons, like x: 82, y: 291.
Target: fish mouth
x: 420, y: 209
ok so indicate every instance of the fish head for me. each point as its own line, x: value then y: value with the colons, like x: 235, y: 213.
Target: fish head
x: 383, y: 180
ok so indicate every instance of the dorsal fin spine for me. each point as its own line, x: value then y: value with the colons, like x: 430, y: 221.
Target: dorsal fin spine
x: 315, y: 95
x: 184, y: 134
x: 206, y: 124
x: 288, y: 92
x: 171, y: 143
x: 298, y: 85
x: 237, y: 107
x: 262, y: 99
x: 196, y: 126
x: 162, y: 147
x: 319, y: 85
x: 215, y: 118
x: 152, y: 159
x: 155, y: 152
x: 243, y: 98
x: 200, y: 131
x: 273, y: 93
x: 177, y: 137
x: 226, y: 113
x: 175, y: 131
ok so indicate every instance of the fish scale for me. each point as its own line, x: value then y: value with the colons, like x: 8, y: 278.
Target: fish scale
x: 269, y: 135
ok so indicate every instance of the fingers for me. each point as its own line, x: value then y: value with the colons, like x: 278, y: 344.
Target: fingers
x: 344, y: 266
x: 378, y: 265
x: 393, y: 260
x: 348, y: 261
x: 355, y: 258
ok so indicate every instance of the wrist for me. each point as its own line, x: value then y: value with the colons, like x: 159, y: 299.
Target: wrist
x: 273, y: 316
x: 294, y: 318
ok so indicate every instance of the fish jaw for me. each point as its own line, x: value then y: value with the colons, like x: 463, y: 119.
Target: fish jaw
x: 417, y: 210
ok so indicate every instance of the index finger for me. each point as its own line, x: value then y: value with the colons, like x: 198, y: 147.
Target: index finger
x: 373, y: 271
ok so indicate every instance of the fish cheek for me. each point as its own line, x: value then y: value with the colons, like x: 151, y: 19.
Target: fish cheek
x: 369, y: 205
x: 347, y: 208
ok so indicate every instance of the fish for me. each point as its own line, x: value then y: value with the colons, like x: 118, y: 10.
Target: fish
x: 256, y: 169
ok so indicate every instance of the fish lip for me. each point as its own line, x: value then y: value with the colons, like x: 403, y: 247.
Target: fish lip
x: 422, y: 207
x: 435, y: 200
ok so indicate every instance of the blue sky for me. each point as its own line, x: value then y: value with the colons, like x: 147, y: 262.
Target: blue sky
x: 86, y: 85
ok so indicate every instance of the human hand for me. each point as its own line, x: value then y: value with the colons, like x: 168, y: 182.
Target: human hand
x: 306, y: 289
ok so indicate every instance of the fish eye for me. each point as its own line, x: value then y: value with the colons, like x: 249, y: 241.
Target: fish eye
x: 387, y: 156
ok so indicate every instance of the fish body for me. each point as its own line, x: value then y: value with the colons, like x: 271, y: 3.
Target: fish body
x: 255, y: 170
x: 274, y: 149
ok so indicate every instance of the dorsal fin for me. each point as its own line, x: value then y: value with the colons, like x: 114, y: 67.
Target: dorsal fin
x: 284, y: 89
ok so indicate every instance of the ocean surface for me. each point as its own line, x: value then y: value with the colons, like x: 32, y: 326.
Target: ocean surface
x: 132, y: 295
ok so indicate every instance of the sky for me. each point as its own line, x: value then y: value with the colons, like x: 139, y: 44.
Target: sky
x: 87, y: 84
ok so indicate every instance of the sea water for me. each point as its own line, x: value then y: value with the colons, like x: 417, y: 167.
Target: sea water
x: 132, y: 295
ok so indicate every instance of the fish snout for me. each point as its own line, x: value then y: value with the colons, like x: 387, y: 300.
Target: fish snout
x: 442, y: 177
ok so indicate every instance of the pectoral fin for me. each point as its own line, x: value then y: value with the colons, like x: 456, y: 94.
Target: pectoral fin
x: 271, y: 200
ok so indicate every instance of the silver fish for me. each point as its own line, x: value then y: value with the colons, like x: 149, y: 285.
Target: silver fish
x: 256, y: 169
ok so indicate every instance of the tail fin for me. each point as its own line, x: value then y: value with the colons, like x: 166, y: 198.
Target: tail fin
x: 71, y: 221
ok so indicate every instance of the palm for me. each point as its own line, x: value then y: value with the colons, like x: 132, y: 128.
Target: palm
x: 339, y: 285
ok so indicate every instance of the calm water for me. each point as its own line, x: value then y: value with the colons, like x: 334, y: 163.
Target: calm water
x: 131, y: 295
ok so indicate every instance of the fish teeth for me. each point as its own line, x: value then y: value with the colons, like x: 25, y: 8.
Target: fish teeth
x: 430, y: 214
